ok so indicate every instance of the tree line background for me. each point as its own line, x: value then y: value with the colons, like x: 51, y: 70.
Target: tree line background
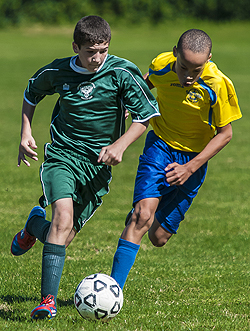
x: 18, y: 12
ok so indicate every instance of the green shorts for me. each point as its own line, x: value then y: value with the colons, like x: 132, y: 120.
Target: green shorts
x: 65, y: 174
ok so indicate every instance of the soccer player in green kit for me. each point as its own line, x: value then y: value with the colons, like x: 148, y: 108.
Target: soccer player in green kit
x: 87, y: 132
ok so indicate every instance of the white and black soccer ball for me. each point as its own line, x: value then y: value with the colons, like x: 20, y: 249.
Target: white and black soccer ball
x: 98, y: 296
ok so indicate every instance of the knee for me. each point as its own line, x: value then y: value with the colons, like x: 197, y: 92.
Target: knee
x: 62, y: 222
x: 142, y: 219
x: 61, y: 228
x: 70, y: 237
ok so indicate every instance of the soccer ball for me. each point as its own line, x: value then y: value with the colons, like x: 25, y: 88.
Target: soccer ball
x: 98, y: 296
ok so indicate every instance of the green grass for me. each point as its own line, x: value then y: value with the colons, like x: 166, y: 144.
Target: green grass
x: 200, y: 280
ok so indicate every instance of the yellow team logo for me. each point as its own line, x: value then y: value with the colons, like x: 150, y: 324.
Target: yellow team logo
x: 194, y: 95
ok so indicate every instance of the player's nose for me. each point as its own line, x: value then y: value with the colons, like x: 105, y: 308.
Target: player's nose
x: 97, y: 57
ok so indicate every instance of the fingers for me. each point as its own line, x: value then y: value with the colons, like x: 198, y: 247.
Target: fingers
x: 102, y: 152
x: 28, y: 152
x: 24, y: 161
x: 31, y: 154
x: 32, y: 144
x: 126, y: 114
x: 107, y: 157
x: 177, y: 174
x: 172, y: 176
x: 21, y: 157
x: 171, y: 166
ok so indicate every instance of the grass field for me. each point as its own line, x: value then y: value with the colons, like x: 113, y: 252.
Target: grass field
x: 200, y: 280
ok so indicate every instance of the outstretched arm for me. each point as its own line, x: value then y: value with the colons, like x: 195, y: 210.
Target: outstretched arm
x: 177, y: 174
x: 112, y: 154
x: 27, y: 143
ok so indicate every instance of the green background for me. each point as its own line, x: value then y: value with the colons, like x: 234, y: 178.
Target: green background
x: 200, y: 279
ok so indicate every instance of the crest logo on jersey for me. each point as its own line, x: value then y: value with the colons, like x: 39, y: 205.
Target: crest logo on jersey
x: 86, y: 89
x: 194, y: 95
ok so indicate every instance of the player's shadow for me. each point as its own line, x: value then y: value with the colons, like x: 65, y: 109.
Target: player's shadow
x: 65, y: 303
x: 7, y: 313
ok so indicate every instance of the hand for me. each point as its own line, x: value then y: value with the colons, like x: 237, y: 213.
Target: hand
x: 110, y: 155
x: 126, y: 114
x: 177, y: 174
x: 26, y: 148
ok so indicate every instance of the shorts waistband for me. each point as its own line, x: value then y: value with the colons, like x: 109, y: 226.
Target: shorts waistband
x: 67, y: 152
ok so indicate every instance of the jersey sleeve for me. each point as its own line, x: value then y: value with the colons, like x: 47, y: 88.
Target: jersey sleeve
x: 160, y: 66
x: 135, y: 94
x: 226, y: 109
x: 40, y: 85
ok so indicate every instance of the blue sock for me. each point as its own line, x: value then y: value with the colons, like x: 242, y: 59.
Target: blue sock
x: 124, y: 259
x: 52, y: 267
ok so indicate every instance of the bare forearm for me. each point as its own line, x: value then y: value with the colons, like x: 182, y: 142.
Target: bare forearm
x: 132, y: 134
x: 27, y: 115
x: 27, y: 144
x: 146, y: 78
x: 213, y: 147
x: 177, y: 174
x: 112, y: 154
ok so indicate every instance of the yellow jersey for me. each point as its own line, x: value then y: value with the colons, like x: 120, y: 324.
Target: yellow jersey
x: 190, y: 115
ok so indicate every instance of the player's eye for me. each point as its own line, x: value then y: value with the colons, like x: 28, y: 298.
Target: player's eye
x: 198, y: 71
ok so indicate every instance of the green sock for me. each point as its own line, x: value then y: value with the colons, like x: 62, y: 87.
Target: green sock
x: 37, y: 226
x: 52, y: 267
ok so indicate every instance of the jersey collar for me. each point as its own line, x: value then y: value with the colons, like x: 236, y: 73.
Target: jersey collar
x: 81, y: 70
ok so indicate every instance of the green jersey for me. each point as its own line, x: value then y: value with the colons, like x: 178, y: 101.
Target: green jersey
x: 90, y: 110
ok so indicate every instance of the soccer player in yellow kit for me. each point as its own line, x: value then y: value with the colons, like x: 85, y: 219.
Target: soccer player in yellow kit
x: 197, y: 103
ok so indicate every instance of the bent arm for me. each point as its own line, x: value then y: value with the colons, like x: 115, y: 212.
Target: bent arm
x: 27, y: 143
x: 112, y: 154
x: 146, y: 78
x: 177, y: 174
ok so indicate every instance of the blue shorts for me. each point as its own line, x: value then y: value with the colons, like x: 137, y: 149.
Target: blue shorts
x: 151, y: 182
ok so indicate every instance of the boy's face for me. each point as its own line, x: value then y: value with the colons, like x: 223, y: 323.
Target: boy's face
x: 91, y: 56
x: 189, y: 65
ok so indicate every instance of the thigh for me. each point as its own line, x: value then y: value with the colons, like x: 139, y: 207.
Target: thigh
x: 58, y: 181
x: 67, y: 175
x: 151, y: 175
x: 169, y: 215
x: 90, y: 189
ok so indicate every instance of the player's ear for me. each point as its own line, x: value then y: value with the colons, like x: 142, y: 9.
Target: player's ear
x: 209, y: 57
x: 175, y: 51
x: 75, y: 47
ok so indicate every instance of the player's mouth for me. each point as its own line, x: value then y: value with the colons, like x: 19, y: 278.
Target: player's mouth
x: 94, y: 67
x: 187, y: 84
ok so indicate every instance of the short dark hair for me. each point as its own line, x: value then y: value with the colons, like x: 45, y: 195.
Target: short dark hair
x: 93, y: 29
x: 196, y: 41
